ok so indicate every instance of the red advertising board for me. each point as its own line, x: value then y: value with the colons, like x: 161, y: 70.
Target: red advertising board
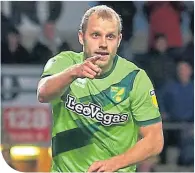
x: 27, y: 124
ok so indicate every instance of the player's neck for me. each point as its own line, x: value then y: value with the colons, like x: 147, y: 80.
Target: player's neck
x: 106, y: 69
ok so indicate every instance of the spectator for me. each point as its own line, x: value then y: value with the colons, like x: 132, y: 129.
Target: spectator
x: 178, y: 96
x: 12, y: 50
x: 165, y: 17
x: 47, y: 45
x: 177, y: 105
x: 159, y: 66
x: 160, y: 44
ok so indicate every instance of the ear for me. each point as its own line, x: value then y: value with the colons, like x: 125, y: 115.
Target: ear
x: 81, y: 37
x: 120, y: 38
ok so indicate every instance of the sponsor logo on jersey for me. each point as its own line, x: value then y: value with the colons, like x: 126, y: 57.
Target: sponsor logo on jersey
x: 117, y: 94
x: 94, y: 112
x: 154, y: 100
x: 80, y: 82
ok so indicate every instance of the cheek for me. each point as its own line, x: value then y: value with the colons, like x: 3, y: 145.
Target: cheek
x: 113, y: 47
x: 91, y: 45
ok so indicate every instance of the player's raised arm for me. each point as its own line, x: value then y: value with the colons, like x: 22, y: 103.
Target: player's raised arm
x: 53, y: 86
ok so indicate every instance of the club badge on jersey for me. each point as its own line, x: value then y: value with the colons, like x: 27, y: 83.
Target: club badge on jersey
x: 117, y: 94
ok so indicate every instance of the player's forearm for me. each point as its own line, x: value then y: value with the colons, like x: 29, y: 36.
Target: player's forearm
x: 143, y: 150
x: 53, y: 86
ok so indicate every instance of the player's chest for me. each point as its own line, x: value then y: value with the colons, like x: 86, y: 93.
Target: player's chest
x: 107, y: 104
x: 102, y: 93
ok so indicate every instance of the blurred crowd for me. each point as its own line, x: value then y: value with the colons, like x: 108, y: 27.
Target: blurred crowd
x: 170, y: 65
x: 47, y: 45
x: 168, y: 61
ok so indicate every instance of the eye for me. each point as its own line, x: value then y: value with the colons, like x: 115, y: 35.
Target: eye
x: 95, y: 35
x: 111, y: 36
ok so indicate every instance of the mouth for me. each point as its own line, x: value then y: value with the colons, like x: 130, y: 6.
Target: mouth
x: 102, y: 53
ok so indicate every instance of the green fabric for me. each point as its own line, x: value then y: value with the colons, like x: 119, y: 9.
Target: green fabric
x: 100, y: 118
x: 142, y: 106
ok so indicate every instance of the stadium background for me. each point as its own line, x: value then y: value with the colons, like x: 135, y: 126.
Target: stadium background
x: 31, y: 32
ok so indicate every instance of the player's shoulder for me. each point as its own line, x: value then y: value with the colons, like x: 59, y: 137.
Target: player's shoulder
x: 130, y: 66
x: 127, y: 65
x: 62, y: 60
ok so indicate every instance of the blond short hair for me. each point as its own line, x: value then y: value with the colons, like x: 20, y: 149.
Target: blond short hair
x: 102, y: 11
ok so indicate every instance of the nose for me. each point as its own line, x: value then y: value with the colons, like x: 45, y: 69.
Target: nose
x: 103, y: 43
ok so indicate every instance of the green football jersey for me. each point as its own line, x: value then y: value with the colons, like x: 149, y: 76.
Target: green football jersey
x: 98, y: 119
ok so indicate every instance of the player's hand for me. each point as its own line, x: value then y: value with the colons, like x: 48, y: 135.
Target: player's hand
x: 110, y: 165
x: 88, y: 69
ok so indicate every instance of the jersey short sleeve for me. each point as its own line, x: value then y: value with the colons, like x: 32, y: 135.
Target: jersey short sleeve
x: 57, y: 64
x: 144, y: 106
